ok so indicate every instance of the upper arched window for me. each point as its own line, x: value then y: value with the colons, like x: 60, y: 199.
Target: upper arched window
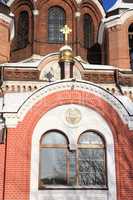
x: 88, y: 30
x: 56, y: 20
x: 130, y: 38
x: 82, y: 167
x: 23, y: 30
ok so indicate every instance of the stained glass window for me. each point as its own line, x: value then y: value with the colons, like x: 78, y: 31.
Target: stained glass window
x: 23, y: 30
x: 56, y: 20
x: 88, y: 31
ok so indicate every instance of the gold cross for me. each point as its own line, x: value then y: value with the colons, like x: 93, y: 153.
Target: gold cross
x: 66, y: 30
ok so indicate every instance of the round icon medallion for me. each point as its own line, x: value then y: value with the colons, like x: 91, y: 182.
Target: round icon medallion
x: 73, y: 116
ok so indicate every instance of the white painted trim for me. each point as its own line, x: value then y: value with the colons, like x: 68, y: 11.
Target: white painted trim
x: 10, y: 21
x: 113, y: 21
x: 67, y: 85
x: 9, y: 3
x: 5, y: 18
x: 91, y: 120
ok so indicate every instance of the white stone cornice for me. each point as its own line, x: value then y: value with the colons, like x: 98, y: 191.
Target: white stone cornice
x: 5, y: 18
x: 68, y: 85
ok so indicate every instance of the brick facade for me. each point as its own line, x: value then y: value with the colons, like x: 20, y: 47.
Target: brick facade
x: 27, y: 77
x: 4, y: 41
x: 18, y: 153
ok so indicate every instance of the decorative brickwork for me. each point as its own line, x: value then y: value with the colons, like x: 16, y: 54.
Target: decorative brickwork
x: 19, y: 144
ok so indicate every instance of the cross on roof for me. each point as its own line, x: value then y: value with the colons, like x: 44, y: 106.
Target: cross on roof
x: 66, y: 30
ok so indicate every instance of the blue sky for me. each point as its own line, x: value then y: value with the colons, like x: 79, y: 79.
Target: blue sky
x: 108, y: 4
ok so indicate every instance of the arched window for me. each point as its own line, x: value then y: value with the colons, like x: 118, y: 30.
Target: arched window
x: 130, y: 38
x: 83, y: 167
x: 53, y: 162
x: 23, y: 30
x: 91, y: 164
x: 56, y: 20
x: 88, y: 31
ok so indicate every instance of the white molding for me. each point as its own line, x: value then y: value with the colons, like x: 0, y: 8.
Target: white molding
x: 9, y: 3
x: 68, y: 85
x: 91, y: 120
x: 113, y: 21
x: 10, y: 21
x: 35, y: 12
x: 5, y: 18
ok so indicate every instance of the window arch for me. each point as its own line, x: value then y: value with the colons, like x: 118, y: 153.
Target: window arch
x: 56, y: 20
x: 88, y: 30
x: 82, y: 167
x: 130, y: 39
x: 23, y: 30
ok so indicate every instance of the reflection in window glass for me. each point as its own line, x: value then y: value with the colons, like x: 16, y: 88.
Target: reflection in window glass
x: 53, y: 138
x: 90, y: 138
x: 59, y: 166
x: 53, y: 166
x: 91, y: 167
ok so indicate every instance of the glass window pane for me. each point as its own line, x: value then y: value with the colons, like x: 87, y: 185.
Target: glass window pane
x: 56, y: 20
x: 92, y: 167
x: 53, y: 137
x: 90, y: 138
x: 23, y: 30
x: 88, y: 31
x: 53, y: 166
x: 130, y: 39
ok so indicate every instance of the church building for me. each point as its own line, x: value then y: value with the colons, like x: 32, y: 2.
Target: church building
x: 66, y: 100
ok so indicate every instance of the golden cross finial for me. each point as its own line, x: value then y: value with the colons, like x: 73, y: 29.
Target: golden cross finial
x: 66, y: 30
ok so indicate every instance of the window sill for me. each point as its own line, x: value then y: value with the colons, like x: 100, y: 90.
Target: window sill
x: 72, y: 188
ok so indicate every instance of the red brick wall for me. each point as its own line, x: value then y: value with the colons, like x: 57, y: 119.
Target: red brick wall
x: 118, y: 45
x: 118, y: 52
x: 19, y: 144
x: 4, y: 41
x: 40, y: 23
x: 2, y: 163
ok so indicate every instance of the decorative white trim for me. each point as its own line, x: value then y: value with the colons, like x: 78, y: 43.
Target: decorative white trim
x: 91, y: 120
x: 113, y: 21
x: 5, y: 18
x: 10, y: 21
x: 35, y: 12
x: 9, y: 3
x: 68, y: 85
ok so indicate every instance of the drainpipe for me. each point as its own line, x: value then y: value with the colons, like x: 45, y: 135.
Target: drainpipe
x: 116, y: 78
